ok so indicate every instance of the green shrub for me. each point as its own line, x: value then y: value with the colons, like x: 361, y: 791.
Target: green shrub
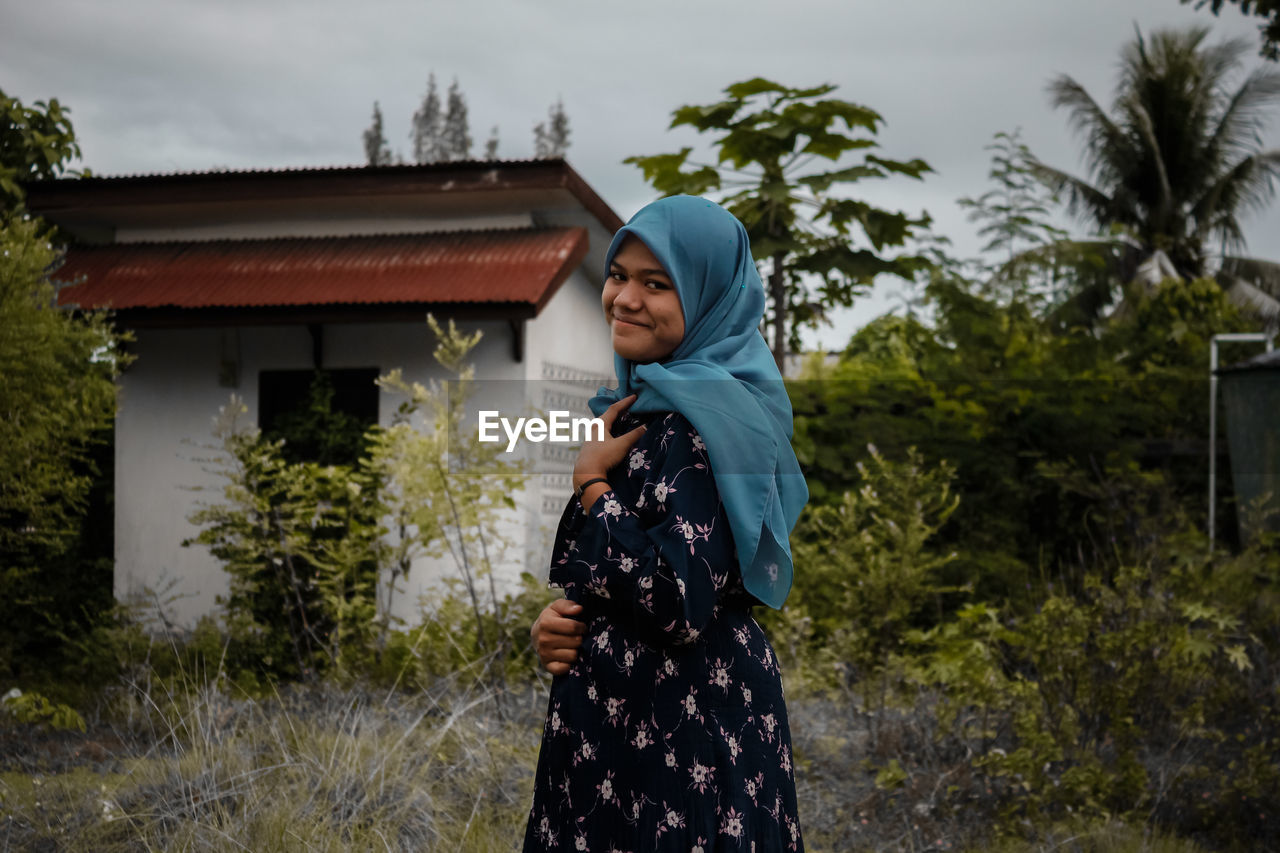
x: 866, y: 573
x: 36, y: 709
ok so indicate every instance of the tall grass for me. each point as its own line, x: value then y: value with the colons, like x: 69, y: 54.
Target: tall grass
x: 330, y: 768
x: 307, y: 768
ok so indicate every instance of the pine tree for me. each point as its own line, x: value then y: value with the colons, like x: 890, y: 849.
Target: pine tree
x: 428, y: 144
x: 491, y: 145
x: 551, y: 138
x: 376, y: 150
x: 455, y: 137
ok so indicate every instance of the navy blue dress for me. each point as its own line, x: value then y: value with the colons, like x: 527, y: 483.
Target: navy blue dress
x: 669, y: 732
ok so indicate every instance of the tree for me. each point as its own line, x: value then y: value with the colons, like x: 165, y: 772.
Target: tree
x: 1176, y: 161
x: 376, y: 150
x: 57, y: 403
x: 1014, y: 217
x: 36, y: 142
x: 491, y: 145
x: 428, y: 129
x: 804, y: 230
x: 1268, y: 9
x: 551, y: 138
x: 455, y: 136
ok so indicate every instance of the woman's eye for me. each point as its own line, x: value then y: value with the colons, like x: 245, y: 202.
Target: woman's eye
x: 656, y: 285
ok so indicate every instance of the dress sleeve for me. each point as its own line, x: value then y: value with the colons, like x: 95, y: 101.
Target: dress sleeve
x: 665, y: 561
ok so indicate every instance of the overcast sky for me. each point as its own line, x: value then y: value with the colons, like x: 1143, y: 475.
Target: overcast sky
x: 174, y: 85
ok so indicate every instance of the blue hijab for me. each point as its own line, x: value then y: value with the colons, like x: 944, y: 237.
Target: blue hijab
x: 723, y: 379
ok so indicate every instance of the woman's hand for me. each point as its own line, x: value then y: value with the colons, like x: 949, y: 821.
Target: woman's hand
x: 556, y: 635
x: 597, y: 457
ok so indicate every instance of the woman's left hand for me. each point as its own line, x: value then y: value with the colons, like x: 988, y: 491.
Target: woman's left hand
x: 556, y: 635
x: 597, y: 457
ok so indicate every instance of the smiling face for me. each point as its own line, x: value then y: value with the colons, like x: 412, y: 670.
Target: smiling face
x: 641, y: 305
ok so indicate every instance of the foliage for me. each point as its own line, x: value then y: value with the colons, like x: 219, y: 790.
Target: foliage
x: 1000, y: 393
x: 1062, y: 648
x: 1015, y: 211
x: 455, y: 131
x: 1177, y: 160
x: 428, y: 125
x: 1014, y: 217
x: 35, y: 709
x: 1139, y: 689
x: 551, y: 138
x: 57, y: 404
x: 320, y: 433
x: 445, y: 488
x: 451, y: 643
x: 316, y: 551
x: 801, y: 222
x: 866, y: 571
x: 301, y: 543
x: 1132, y: 695
x: 491, y: 145
x: 36, y: 142
x: 376, y: 150
x: 1267, y: 9
x: 441, y: 132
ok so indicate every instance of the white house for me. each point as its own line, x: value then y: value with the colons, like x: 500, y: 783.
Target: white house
x: 233, y: 281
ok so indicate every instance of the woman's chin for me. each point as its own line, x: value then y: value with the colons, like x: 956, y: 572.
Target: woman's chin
x: 631, y: 352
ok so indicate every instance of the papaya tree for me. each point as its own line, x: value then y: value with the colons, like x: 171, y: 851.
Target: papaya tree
x: 819, y: 247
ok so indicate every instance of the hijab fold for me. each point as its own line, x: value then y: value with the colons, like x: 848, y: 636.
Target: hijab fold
x: 723, y: 379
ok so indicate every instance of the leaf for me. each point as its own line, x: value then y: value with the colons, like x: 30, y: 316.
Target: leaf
x: 830, y: 145
x: 752, y: 87
x: 892, y: 775
x: 705, y: 118
x: 823, y: 181
x: 913, y: 168
x: 1238, y: 656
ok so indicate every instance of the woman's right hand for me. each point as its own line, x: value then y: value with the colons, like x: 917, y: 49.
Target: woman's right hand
x: 557, y: 635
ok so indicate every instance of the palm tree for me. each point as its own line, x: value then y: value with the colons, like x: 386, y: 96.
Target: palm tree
x: 1174, y: 164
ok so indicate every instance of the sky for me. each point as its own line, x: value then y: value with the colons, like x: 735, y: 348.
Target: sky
x: 159, y: 86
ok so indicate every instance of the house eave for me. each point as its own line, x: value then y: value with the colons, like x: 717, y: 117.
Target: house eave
x: 81, y: 204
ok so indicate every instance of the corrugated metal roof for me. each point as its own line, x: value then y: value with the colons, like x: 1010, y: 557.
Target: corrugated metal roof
x: 521, y: 266
x: 330, y: 169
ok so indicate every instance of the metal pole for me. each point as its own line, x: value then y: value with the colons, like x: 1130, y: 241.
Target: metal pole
x: 1213, y: 439
x: 1234, y: 337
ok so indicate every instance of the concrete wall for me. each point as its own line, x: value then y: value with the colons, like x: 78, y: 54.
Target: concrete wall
x: 568, y: 357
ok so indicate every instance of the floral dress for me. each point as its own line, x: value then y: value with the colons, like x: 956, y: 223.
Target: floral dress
x: 669, y: 732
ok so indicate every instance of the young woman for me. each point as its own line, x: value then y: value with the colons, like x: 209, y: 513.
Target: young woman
x: 666, y: 728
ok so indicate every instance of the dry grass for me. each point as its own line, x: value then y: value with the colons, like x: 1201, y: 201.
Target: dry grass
x: 333, y: 769
x: 878, y: 779
x: 319, y: 768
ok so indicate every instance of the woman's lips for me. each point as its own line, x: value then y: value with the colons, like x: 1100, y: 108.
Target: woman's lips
x: 628, y: 322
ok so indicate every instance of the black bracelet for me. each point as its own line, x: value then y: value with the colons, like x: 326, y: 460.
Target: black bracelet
x: 577, y: 493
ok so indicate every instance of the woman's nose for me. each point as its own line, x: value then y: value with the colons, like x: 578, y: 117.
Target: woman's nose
x: 631, y: 296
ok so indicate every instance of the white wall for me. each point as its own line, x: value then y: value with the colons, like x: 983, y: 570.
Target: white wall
x: 568, y: 357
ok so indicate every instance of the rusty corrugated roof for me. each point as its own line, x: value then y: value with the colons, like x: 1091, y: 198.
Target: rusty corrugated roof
x: 517, y: 266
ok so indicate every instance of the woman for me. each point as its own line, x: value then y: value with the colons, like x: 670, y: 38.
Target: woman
x: 666, y: 728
